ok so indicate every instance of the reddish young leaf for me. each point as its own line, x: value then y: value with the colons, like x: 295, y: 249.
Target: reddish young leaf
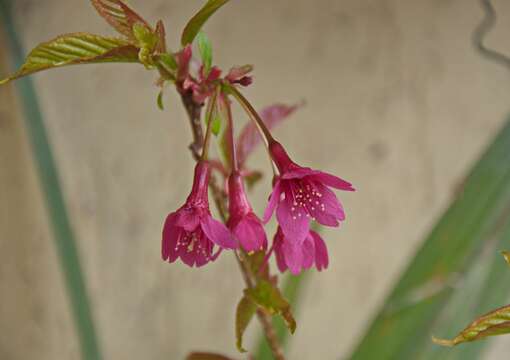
x: 161, y: 34
x: 120, y: 16
x: 250, y: 138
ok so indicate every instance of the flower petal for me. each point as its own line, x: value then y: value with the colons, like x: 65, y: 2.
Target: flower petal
x: 294, y: 221
x: 331, y: 204
x: 277, y: 245
x: 308, y: 250
x: 299, y: 173
x: 187, y: 217
x: 218, y: 233
x: 321, y: 252
x: 250, y: 233
x: 273, y: 201
x: 170, y: 238
x: 333, y: 181
x: 293, y: 256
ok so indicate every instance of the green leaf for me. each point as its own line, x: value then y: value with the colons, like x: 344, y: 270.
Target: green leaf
x: 205, y: 49
x: 161, y: 106
x: 292, y: 286
x: 65, y: 241
x: 145, y: 36
x: 168, y: 61
x: 496, y: 322
x: 506, y: 255
x: 216, y: 124
x: 195, y: 24
x: 267, y: 296
x: 244, y: 313
x: 120, y: 16
x: 403, y: 326
x: 77, y: 48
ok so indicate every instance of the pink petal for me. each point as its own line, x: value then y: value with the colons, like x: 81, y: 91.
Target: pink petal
x: 308, y: 250
x: 214, y: 74
x: 218, y: 233
x: 293, y: 255
x: 333, y: 181
x: 250, y: 234
x: 331, y: 204
x: 187, y: 217
x: 321, y: 252
x: 237, y: 72
x: 273, y: 201
x: 299, y: 173
x: 294, y: 222
x: 170, y: 236
x: 277, y: 244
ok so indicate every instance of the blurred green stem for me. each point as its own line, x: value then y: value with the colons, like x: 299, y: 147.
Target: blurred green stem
x: 54, y: 199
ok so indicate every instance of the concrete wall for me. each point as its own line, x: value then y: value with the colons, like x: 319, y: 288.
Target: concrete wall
x: 397, y: 102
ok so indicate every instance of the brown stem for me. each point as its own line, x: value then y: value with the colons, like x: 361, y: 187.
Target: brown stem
x: 194, y: 112
x: 220, y: 200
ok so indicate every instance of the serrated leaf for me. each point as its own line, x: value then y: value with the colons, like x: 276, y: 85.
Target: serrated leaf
x: 205, y: 49
x: 195, y: 24
x: 77, y: 48
x: 267, y: 296
x: 249, y: 138
x: 496, y: 322
x: 244, y: 313
x: 120, y: 16
x: 206, y: 356
x: 161, y: 35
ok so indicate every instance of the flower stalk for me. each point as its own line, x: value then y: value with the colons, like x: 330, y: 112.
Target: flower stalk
x: 194, y: 111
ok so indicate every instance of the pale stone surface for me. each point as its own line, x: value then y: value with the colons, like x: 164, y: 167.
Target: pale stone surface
x: 397, y: 102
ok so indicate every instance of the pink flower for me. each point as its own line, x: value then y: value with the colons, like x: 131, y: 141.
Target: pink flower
x: 191, y: 233
x: 204, y: 86
x: 239, y: 75
x: 297, y: 256
x: 245, y: 225
x: 302, y: 194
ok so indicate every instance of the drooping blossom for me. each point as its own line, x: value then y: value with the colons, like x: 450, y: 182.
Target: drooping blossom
x: 190, y: 233
x: 243, y: 223
x: 301, y: 194
x: 239, y: 75
x: 300, y: 255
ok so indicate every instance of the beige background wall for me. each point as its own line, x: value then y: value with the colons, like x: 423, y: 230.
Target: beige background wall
x: 397, y: 102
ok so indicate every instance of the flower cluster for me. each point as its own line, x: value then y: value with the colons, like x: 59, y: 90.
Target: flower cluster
x: 300, y: 195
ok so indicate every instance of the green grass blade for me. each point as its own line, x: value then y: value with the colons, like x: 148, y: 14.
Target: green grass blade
x: 485, y: 288
x: 403, y: 326
x: 48, y: 177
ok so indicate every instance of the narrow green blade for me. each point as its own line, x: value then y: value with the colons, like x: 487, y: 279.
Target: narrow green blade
x: 485, y: 287
x: 48, y: 177
x: 402, y: 328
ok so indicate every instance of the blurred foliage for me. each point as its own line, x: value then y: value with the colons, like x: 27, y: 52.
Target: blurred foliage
x: 455, y: 273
